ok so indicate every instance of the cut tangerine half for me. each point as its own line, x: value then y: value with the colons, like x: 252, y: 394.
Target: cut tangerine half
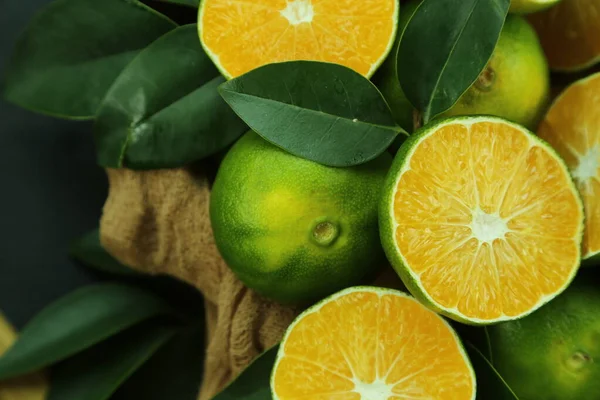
x: 241, y: 35
x: 570, y: 34
x: 481, y: 219
x: 369, y: 343
x: 572, y: 127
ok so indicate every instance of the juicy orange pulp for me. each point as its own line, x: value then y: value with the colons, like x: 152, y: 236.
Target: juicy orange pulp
x: 488, y: 221
x: 372, y: 344
x: 241, y: 35
x: 572, y: 127
x: 570, y: 33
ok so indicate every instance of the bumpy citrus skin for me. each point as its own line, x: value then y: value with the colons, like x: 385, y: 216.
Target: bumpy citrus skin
x: 554, y: 352
x: 515, y: 84
x: 292, y: 229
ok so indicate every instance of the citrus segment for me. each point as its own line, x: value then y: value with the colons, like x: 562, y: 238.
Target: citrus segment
x: 570, y: 34
x: 481, y: 220
x: 371, y: 343
x: 572, y: 127
x: 240, y: 35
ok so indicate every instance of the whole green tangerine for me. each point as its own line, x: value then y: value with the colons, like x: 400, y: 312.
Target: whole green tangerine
x: 294, y: 230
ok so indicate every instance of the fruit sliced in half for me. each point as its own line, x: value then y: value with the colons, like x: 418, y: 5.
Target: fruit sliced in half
x: 481, y: 219
x: 371, y: 344
x: 240, y: 35
x: 572, y: 127
x: 570, y: 34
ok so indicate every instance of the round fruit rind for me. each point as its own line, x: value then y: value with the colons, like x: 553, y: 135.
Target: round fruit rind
x: 266, y: 204
x: 378, y: 290
x: 553, y: 353
x: 515, y: 84
x: 386, y: 218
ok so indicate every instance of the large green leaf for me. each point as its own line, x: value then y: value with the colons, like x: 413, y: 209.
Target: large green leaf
x: 98, y: 372
x: 174, y: 372
x: 76, y: 322
x: 72, y: 51
x: 319, y: 111
x: 445, y: 46
x: 89, y: 251
x: 164, y: 109
x: 254, y: 382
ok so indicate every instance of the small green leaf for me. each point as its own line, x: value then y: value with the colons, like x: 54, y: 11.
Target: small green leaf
x: 164, y: 109
x: 174, y: 372
x: 254, y: 382
x: 319, y: 111
x: 98, y: 372
x: 72, y: 51
x: 490, y: 384
x: 76, y: 322
x: 445, y: 46
x: 89, y: 251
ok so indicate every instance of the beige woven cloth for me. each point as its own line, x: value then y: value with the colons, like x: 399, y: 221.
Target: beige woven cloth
x: 158, y: 222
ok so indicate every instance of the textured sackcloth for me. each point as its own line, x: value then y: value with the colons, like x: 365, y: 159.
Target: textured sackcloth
x: 158, y: 222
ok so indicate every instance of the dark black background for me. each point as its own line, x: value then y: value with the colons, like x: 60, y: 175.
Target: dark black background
x: 51, y: 191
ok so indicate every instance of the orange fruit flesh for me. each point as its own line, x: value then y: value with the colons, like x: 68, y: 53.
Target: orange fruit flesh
x: 369, y: 342
x: 570, y: 33
x: 242, y: 35
x: 572, y: 127
x: 492, y: 226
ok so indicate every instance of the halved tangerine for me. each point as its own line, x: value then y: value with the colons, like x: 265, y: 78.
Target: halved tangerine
x: 570, y: 34
x: 481, y: 219
x: 241, y: 35
x: 367, y: 343
x: 572, y: 127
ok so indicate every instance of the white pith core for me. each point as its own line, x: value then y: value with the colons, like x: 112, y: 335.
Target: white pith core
x: 488, y: 227
x: 588, y: 165
x: 298, y: 12
x: 373, y: 391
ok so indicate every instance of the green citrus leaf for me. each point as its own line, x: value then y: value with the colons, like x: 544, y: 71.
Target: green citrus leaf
x: 90, y: 252
x: 445, y: 46
x: 76, y: 322
x: 72, y: 51
x: 174, y: 372
x: 254, y: 382
x: 99, y: 371
x: 164, y: 109
x: 191, y: 3
x: 319, y: 111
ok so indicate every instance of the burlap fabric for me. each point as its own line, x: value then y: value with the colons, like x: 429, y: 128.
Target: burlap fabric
x: 158, y: 222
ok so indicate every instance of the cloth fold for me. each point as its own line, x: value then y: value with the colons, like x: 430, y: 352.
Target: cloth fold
x: 158, y: 222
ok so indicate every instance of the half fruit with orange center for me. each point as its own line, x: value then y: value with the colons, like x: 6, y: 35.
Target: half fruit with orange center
x: 572, y: 127
x: 367, y: 343
x: 241, y: 35
x: 481, y: 219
